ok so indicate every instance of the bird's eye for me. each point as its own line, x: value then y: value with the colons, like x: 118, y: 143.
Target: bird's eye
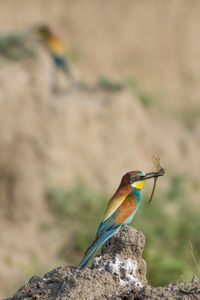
x: 137, y: 177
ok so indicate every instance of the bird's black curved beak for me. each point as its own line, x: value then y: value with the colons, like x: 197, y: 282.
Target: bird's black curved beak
x: 147, y: 176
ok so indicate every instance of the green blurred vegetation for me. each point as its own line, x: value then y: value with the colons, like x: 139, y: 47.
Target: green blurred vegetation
x: 169, y: 229
x: 146, y: 98
x: 171, y: 226
x: 16, y: 46
x: 108, y: 84
x: 81, y: 208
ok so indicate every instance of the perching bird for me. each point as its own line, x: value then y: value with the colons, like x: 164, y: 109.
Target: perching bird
x: 120, y: 210
x: 56, y: 49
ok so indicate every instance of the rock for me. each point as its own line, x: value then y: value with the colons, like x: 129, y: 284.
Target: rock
x: 119, y: 273
x: 178, y: 291
x: 119, y: 269
x: 122, y: 255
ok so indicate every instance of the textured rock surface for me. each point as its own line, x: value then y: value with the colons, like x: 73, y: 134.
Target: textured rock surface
x: 122, y: 255
x: 177, y: 291
x: 118, y: 273
x: 120, y: 269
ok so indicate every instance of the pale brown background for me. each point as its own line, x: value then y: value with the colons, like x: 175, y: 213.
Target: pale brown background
x: 48, y: 140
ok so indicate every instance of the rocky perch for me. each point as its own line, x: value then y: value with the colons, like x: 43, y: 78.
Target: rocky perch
x: 118, y: 273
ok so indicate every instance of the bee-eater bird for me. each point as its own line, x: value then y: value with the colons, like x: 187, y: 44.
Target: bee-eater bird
x: 56, y: 48
x: 120, y: 210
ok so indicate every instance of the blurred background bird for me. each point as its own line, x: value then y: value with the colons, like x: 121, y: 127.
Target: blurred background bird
x: 57, y: 50
x: 120, y: 210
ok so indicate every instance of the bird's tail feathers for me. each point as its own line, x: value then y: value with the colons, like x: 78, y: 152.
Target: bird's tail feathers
x: 99, y: 240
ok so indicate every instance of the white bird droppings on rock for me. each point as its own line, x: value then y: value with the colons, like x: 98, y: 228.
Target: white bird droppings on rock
x: 124, y: 269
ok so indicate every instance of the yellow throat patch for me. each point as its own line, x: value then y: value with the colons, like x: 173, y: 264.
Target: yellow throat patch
x: 138, y: 185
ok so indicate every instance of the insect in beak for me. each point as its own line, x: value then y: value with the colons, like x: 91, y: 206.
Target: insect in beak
x: 159, y: 171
